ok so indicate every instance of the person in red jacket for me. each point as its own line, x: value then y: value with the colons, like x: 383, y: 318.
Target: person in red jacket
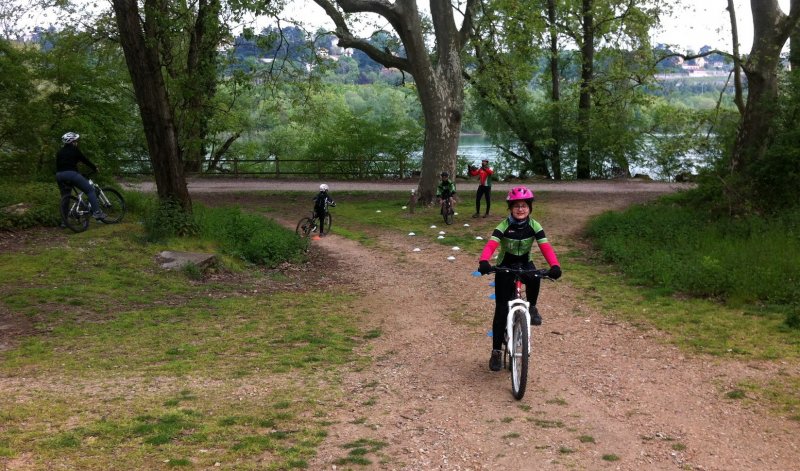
x: 484, y: 174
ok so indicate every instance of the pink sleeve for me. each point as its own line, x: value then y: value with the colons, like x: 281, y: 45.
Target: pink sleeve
x: 488, y: 250
x: 548, y: 252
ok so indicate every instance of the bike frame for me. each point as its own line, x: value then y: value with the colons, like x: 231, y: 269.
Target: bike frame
x: 517, y: 305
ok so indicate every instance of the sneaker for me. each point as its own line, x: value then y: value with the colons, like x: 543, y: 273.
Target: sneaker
x: 496, y: 361
x: 476, y: 215
x: 99, y: 215
x: 536, y: 319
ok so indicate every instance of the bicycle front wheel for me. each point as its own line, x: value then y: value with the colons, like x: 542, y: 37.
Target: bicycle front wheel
x: 328, y: 222
x: 448, y: 214
x: 113, y: 204
x: 304, y: 227
x: 520, y: 356
x: 75, y: 217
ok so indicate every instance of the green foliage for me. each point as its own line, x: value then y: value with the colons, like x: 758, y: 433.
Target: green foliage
x: 163, y: 219
x: 250, y: 237
x: 751, y: 260
x: 25, y: 205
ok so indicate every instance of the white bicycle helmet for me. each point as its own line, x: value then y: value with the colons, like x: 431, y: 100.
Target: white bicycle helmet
x: 323, y: 187
x: 70, y: 137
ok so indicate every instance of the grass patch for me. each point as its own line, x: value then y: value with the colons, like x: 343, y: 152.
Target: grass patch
x: 682, y: 249
x: 698, y: 325
x: 586, y: 439
x: 358, y: 451
x: 610, y: 457
x: 544, y: 423
x: 133, y: 367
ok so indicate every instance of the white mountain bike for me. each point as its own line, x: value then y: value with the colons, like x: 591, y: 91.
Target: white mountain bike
x: 517, y: 337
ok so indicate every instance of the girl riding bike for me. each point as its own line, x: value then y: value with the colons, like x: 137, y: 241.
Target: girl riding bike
x: 515, y: 236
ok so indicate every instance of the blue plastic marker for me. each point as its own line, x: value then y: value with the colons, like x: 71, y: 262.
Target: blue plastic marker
x: 476, y: 273
x: 491, y: 284
x: 491, y: 296
x: 489, y: 334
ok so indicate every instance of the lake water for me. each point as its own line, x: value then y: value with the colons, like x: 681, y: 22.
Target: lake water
x: 477, y: 147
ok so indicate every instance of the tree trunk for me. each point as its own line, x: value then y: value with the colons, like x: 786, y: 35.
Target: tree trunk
x: 771, y: 29
x: 199, y: 90
x: 140, y: 47
x: 555, y: 92
x: 438, y: 77
x: 583, y: 170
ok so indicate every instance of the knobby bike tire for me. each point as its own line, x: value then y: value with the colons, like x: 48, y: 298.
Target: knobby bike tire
x: 70, y: 217
x: 304, y: 227
x: 449, y: 215
x: 328, y: 223
x: 115, y: 206
x: 519, y: 361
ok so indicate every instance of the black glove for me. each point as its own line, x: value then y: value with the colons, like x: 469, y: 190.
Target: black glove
x: 555, y: 272
x: 332, y: 204
x: 484, y: 267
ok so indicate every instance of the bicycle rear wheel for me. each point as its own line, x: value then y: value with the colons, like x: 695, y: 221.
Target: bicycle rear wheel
x: 113, y: 204
x: 304, y: 227
x: 448, y: 214
x: 520, y: 357
x: 75, y: 217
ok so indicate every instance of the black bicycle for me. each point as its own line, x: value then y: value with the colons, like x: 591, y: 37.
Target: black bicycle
x: 76, y: 211
x: 448, y: 213
x: 310, y: 224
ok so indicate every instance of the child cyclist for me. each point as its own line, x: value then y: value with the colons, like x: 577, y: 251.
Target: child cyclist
x: 446, y: 190
x: 321, y: 201
x: 515, y: 236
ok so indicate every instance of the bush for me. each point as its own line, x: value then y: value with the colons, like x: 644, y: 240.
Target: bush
x: 250, y: 237
x: 752, y: 260
x: 165, y: 219
x: 39, y: 199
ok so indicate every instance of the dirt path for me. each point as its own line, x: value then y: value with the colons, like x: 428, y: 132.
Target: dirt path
x: 598, y: 388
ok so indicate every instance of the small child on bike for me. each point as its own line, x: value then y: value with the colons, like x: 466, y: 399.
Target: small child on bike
x: 446, y: 190
x: 515, y: 236
x: 321, y: 202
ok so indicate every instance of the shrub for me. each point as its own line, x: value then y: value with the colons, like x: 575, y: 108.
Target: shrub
x: 40, y: 200
x: 754, y: 260
x: 165, y: 219
x: 250, y: 237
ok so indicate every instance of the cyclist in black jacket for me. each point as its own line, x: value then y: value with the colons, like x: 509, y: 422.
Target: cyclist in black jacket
x: 67, y: 174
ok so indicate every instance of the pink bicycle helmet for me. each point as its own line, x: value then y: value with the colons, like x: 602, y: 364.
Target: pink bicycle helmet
x: 520, y: 193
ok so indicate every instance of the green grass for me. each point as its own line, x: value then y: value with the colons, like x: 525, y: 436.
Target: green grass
x: 695, y: 324
x: 133, y: 367
x: 751, y: 262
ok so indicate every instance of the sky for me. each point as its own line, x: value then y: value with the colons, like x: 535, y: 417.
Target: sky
x: 698, y: 23
x: 695, y: 24
x: 707, y: 22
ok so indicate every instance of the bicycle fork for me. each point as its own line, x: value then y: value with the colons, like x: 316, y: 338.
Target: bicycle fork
x: 514, y: 306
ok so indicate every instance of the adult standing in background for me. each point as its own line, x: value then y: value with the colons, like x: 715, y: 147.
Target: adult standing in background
x: 484, y: 174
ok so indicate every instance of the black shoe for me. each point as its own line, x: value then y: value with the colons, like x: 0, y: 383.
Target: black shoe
x: 486, y: 215
x: 496, y: 360
x: 536, y: 319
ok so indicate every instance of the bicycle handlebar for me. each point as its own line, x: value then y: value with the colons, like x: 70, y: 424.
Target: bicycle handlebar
x: 536, y: 272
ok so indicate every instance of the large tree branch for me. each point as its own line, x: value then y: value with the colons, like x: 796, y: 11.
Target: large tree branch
x: 348, y: 39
